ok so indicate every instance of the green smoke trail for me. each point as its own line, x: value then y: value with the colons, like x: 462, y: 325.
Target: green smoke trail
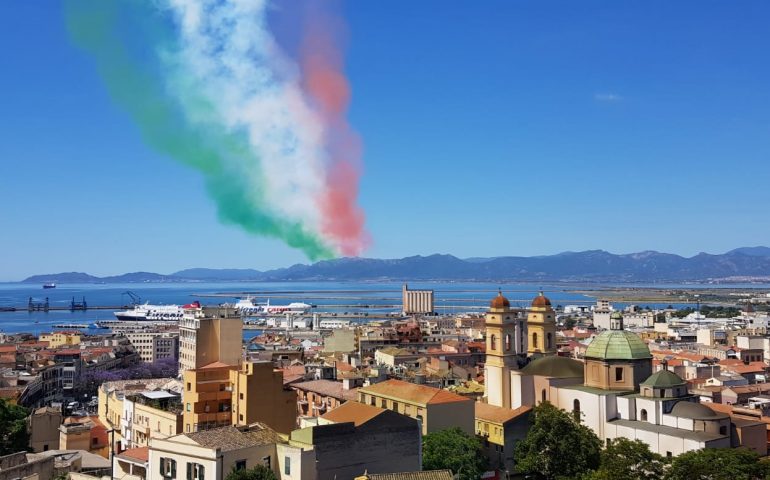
x: 102, y: 28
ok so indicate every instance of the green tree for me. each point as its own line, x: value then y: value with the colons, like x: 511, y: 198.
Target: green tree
x: 628, y: 459
x: 718, y: 464
x: 455, y: 450
x: 259, y: 472
x: 13, y: 428
x: 557, y: 446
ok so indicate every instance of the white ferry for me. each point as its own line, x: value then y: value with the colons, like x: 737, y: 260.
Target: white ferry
x: 154, y: 313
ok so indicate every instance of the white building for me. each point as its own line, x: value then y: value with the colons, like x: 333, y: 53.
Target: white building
x: 213, y: 454
x: 154, y: 346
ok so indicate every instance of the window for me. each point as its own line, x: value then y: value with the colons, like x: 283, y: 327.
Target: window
x: 287, y: 465
x: 576, y: 409
x: 618, y: 374
x: 493, y: 342
x: 195, y: 471
x: 383, y: 403
x: 240, y: 396
x: 548, y: 340
x: 668, y: 455
x: 395, y: 407
x: 371, y: 400
x: 167, y: 467
x: 507, y: 342
x: 534, y: 340
x: 643, y: 415
x: 240, y: 465
x: 188, y: 406
x: 266, y: 461
x: 542, y: 396
x: 240, y: 417
x: 723, y: 430
x: 189, y: 386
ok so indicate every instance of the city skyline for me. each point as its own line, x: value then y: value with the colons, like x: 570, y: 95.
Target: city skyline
x: 517, y: 129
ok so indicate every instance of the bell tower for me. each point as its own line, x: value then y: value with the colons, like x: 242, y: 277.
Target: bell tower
x: 506, y: 344
x: 541, y: 327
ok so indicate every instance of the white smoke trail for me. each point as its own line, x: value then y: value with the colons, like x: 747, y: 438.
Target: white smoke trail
x: 229, y: 57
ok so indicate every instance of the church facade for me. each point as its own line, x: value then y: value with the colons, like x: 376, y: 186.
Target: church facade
x: 613, y: 391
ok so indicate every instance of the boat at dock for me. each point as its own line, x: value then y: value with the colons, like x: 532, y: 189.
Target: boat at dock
x: 154, y: 313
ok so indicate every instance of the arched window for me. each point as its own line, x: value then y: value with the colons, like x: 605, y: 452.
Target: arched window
x: 507, y: 342
x: 542, y: 394
x: 643, y: 415
x: 534, y: 340
x: 576, y: 409
x: 493, y: 342
x: 548, y: 340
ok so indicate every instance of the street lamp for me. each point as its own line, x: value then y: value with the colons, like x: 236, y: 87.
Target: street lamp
x: 112, y: 450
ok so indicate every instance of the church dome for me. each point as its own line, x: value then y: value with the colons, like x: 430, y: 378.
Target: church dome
x: 616, y: 315
x: 500, y: 301
x: 695, y: 411
x: 554, y: 367
x: 664, y: 379
x: 541, y: 301
x: 617, y: 345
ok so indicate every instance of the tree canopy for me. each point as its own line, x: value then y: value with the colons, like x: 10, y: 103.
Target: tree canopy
x: 13, y: 428
x: 259, y: 472
x: 557, y: 446
x: 455, y: 450
x: 628, y: 459
x: 718, y: 464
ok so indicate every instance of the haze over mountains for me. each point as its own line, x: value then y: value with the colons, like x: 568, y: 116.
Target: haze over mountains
x: 591, y: 265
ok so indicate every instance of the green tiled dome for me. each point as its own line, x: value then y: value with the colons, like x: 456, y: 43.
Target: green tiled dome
x: 664, y: 379
x: 617, y: 345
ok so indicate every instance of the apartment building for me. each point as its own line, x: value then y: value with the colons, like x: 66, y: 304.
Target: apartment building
x: 209, y: 335
x: 434, y: 408
x: 213, y: 454
x: 154, y: 346
x: 218, y: 394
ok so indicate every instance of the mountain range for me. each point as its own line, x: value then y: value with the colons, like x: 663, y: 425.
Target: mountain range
x: 593, y: 265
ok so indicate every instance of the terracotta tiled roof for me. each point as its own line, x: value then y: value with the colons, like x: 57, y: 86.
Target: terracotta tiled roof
x: 328, y: 388
x: 491, y: 413
x: 142, y: 453
x: 215, y: 365
x: 423, y: 475
x: 231, y: 438
x: 355, y: 412
x: 414, y: 393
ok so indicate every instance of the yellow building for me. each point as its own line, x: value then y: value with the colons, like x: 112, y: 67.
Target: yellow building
x: 218, y: 394
x: 541, y: 327
x: 434, y: 408
x: 506, y: 346
x: 207, y: 397
x: 60, y: 339
x: 499, y: 429
x: 156, y: 414
x: 259, y: 396
x: 209, y: 335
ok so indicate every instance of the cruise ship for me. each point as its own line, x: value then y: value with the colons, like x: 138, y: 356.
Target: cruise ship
x: 154, y: 313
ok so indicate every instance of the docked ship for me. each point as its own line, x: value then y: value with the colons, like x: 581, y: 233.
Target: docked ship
x: 154, y: 313
x: 248, y: 307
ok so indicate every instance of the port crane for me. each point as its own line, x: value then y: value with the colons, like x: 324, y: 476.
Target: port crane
x: 135, y: 299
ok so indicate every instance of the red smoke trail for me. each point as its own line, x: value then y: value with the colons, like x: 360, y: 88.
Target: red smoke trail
x: 325, y: 82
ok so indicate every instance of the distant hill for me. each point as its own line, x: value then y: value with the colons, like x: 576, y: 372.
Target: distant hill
x: 227, y: 274
x: 591, y: 265
x: 753, y: 251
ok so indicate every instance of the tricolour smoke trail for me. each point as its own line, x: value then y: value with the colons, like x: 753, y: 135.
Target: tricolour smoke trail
x: 207, y: 84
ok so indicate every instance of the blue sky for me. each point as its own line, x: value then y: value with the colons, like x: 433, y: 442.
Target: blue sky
x: 489, y: 128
